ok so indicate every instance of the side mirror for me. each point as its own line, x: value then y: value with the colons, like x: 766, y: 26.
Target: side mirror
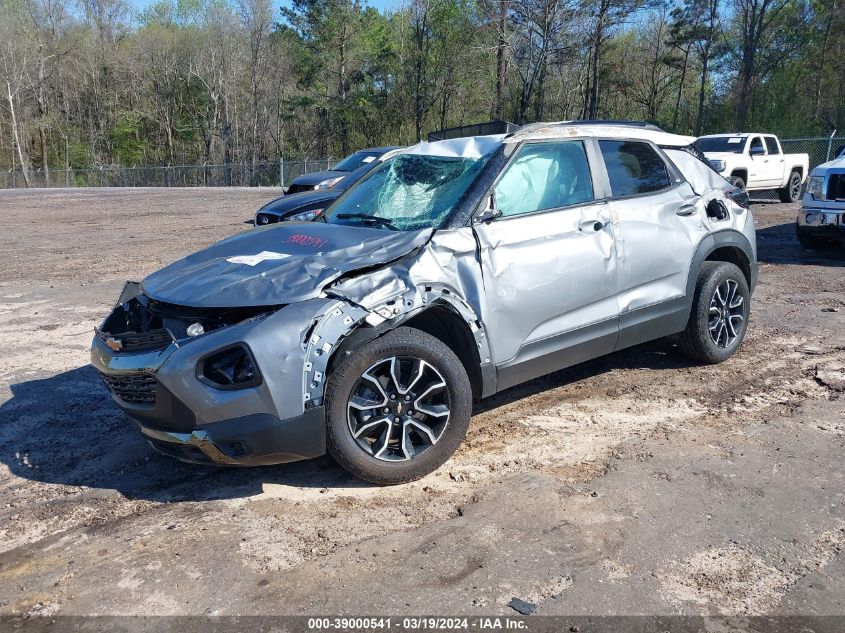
x: 490, y: 212
x: 757, y: 150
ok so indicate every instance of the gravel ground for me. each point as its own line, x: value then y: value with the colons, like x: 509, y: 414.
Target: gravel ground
x: 634, y: 484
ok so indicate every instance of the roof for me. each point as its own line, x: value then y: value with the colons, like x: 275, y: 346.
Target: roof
x: 742, y: 134
x: 477, y: 146
x: 599, y: 129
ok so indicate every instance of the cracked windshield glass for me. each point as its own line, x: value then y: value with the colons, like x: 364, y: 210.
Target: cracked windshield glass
x: 406, y: 193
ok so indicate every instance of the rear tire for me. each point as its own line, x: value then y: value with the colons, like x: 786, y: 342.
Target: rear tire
x: 719, y: 316
x: 792, y: 191
x: 397, y: 407
x: 814, y: 242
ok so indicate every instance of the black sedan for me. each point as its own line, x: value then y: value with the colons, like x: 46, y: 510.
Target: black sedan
x: 319, y: 180
x: 305, y: 206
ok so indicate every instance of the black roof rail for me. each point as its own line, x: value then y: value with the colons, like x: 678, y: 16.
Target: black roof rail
x: 474, y: 129
x: 626, y: 122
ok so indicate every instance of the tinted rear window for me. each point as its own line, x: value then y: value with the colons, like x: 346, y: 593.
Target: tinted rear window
x: 772, y: 145
x: 633, y: 168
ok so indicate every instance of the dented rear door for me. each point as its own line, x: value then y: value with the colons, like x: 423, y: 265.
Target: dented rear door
x: 659, y: 221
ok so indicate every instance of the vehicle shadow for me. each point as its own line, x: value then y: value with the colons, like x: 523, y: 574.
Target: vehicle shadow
x: 65, y: 429
x: 659, y: 354
x: 778, y: 245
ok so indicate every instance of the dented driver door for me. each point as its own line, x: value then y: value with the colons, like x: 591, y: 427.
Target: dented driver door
x: 548, y: 262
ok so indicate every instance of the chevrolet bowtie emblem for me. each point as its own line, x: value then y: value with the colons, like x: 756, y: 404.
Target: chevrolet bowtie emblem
x: 114, y: 344
x: 399, y: 408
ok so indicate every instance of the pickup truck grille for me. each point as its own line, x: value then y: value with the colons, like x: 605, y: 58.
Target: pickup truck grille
x: 836, y: 187
x: 138, y: 388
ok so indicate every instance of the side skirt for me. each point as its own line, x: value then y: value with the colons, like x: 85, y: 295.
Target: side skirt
x: 542, y: 357
x: 653, y: 322
x: 577, y: 346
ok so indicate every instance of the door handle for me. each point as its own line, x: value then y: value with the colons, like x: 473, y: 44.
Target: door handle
x: 687, y: 209
x: 592, y: 226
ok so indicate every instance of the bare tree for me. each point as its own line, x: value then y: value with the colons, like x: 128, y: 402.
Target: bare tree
x: 539, y: 35
x: 257, y: 19
x: 606, y: 15
x: 756, y: 19
x: 14, y: 73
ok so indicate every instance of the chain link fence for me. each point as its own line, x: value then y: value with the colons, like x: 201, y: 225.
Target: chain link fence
x: 819, y: 149
x: 263, y: 174
x: 272, y: 173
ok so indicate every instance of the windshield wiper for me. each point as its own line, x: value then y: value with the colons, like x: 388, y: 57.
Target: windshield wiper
x: 367, y: 218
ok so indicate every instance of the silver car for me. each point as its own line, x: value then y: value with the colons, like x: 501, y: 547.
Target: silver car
x: 452, y: 271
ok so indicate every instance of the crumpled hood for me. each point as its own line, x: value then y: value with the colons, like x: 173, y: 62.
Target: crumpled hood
x: 279, y: 264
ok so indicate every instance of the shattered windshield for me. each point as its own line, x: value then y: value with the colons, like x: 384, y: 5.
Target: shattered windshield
x: 733, y: 144
x: 406, y: 193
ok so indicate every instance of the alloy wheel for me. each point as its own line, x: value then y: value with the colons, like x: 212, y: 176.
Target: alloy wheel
x: 727, y: 313
x: 795, y: 186
x: 398, y: 408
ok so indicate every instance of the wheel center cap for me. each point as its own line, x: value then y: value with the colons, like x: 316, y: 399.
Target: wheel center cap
x: 399, y: 408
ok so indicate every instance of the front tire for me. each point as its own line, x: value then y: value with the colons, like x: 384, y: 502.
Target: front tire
x: 792, y: 191
x: 397, y: 408
x: 719, y: 316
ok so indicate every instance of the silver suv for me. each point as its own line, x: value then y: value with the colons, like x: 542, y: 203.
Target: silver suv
x: 452, y: 271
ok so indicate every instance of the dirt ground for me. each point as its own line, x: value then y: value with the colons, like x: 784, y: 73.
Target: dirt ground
x: 634, y: 484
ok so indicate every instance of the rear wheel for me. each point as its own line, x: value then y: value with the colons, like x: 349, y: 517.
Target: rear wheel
x: 397, y: 408
x: 719, y: 316
x: 792, y: 191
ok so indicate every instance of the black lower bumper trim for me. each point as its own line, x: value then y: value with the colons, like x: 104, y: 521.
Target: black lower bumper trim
x: 252, y: 440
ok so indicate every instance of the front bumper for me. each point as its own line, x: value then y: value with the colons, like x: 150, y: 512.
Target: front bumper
x: 185, y: 417
x: 253, y: 440
x: 828, y: 221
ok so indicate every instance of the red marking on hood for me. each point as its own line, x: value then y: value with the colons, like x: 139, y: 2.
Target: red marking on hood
x: 305, y: 240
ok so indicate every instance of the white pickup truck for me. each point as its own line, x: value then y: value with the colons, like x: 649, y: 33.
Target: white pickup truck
x: 756, y: 162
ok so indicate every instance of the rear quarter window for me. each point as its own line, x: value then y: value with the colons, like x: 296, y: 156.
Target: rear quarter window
x: 633, y: 168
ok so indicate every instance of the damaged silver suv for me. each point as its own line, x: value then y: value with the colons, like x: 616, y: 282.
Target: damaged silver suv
x: 454, y: 270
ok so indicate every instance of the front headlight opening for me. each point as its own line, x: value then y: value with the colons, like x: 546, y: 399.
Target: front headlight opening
x: 328, y: 183
x: 718, y: 165
x: 815, y: 187
x: 231, y: 368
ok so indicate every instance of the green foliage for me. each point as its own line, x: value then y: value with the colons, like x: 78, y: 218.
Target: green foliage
x: 127, y: 138
x: 193, y: 81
